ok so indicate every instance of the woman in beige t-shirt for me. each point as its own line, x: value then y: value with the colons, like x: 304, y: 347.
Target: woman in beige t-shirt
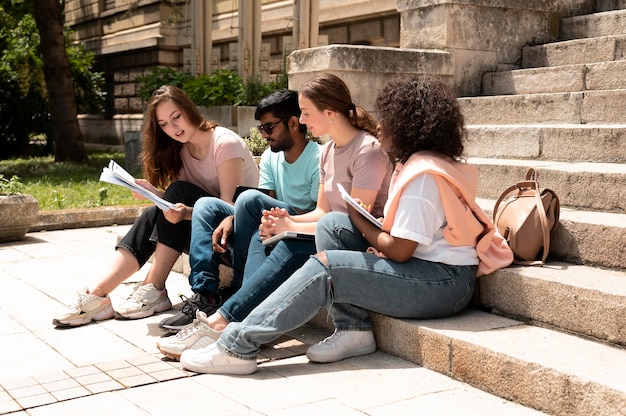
x: 185, y: 157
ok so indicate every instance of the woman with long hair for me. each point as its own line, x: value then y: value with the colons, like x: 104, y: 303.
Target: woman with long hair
x: 185, y: 157
x: 421, y: 262
x: 351, y: 158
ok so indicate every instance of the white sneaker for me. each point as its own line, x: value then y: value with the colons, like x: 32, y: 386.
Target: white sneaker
x: 145, y: 301
x: 85, y: 309
x: 211, y: 360
x: 341, y: 345
x: 197, y: 334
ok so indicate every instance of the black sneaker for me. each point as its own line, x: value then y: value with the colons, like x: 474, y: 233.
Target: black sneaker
x: 207, y: 304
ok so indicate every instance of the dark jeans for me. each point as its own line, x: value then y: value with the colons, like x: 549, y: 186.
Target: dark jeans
x: 152, y: 227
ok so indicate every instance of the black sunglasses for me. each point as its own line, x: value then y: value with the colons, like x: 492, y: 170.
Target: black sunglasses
x: 268, y: 127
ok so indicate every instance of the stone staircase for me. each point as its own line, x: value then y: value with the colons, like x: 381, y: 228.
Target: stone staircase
x: 551, y: 338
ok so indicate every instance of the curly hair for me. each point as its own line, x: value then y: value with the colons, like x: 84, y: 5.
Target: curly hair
x: 161, y: 154
x: 328, y: 92
x: 420, y: 113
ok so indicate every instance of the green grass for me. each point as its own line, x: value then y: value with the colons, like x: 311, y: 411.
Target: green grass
x: 69, y: 185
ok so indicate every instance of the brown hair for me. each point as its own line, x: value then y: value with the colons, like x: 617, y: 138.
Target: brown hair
x: 328, y: 92
x: 161, y: 154
x: 420, y: 113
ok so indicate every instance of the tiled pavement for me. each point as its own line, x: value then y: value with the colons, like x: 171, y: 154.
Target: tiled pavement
x: 113, y: 367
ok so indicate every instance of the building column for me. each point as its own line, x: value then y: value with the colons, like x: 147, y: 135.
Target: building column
x: 202, y: 42
x: 305, y: 23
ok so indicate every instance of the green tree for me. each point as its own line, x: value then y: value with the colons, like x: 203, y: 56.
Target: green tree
x: 26, y: 102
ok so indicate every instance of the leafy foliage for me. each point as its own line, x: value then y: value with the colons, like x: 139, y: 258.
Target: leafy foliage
x: 255, y: 142
x: 157, y: 77
x: 11, y: 186
x: 222, y: 87
x: 24, y: 109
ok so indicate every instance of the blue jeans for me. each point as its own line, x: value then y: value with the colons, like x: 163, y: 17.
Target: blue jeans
x: 208, y: 213
x: 353, y: 283
x: 152, y: 227
x: 265, y: 267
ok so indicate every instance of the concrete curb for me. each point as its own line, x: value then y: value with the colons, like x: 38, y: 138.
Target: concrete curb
x: 87, y: 217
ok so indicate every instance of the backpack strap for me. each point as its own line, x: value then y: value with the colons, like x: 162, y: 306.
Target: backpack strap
x: 531, y: 182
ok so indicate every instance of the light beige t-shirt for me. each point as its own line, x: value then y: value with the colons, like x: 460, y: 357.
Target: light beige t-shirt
x: 360, y: 164
x: 225, y: 145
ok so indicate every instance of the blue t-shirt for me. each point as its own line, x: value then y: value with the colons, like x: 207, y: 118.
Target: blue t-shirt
x: 297, y: 183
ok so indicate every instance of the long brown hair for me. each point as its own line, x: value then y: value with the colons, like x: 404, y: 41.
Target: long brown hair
x: 161, y: 154
x: 328, y: 92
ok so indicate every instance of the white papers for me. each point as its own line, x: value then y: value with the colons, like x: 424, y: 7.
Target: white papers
x: 116, y: 175
x: 346, y: 197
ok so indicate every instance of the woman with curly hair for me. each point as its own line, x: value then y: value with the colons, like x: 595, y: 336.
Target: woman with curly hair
x: 420, y: 263
x: 189, y: 157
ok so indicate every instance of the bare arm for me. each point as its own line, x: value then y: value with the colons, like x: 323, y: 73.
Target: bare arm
x: 396, y: 249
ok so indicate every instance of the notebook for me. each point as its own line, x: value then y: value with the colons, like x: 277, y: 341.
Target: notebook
x: 288, y: 234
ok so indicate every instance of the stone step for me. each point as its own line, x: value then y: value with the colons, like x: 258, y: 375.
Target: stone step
x: 566, y: 78
x: 584, y: 237
x: 552, y: 371
x: 560, y: 142
x: 577, y: 51
x: 606, y: 5
x: 581, y: 299
x: 583, y: 186
x: 594, y: 25
x: 604, y: 106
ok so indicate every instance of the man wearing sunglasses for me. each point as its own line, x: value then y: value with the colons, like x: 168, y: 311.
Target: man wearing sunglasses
x: 289, y: 169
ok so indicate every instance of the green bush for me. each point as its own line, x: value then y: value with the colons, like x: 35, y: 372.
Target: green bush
x: 11, y: 186
x: 222, y: 87
x: 158, y: 77
x: 255, y: 142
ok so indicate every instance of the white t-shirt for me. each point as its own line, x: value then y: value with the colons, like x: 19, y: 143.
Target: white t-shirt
x: 420, y: 217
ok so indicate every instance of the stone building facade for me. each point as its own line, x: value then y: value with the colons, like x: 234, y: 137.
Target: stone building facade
x: 131, y: 36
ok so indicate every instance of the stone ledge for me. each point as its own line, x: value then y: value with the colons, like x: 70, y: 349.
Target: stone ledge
x: 87, y: 217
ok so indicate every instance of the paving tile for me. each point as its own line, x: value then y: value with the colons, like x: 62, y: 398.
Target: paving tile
x: 51, y: 377
x: 37, y: 400
x: 113, y: 365
x: 95, y: 378
x: 83, y: 371
x: 10, y: 406
x: 72, y: 393
x: 17, y: 383
x: 60, y: 385
x: 136, y: 380
x: 170, y: 374
x: 121, y: 373
x: 156, y: 399
x: 104, y: 404
x: 324, y: 407
x: 27, y: 391
x: 104, y: 386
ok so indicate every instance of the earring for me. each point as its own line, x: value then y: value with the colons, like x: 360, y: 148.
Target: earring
x: 330, y: 120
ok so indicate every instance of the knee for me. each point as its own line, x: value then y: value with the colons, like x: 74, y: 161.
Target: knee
x: 321, y: 256
x: 331, y: 220
x: 249, y: 201
x: 175, y: 189
x: 204, y: 208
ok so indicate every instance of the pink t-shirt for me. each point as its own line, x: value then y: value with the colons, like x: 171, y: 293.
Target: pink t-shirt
x: 360, y: 164
x: 225, y: 145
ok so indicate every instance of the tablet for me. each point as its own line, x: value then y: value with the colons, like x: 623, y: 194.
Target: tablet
x: 288, y: 234
x: 240, y: 188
